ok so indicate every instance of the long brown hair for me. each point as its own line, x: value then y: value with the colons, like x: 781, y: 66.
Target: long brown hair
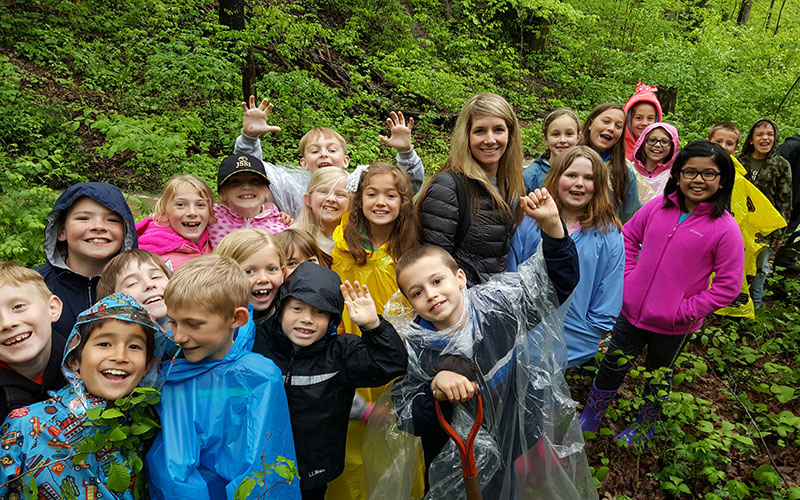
x: 599, y: 212
x: 619, y: 166
x: 406, y: 227
x: 510, y: 185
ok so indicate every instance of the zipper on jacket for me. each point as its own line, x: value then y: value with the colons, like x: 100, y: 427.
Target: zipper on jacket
x: 288, y: 382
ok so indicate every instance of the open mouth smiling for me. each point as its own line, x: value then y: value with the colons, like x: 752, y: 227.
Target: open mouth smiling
x: 16, y: 340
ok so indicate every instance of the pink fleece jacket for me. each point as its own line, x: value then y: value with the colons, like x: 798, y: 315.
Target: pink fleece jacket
x: 668, y: 266
x: 173, y: 248
x: 642, y: 93
x: 227, y: 221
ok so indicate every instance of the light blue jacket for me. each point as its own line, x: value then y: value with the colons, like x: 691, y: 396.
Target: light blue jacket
x: 218, y: 418
x: 535, y: 173
x: 597, y: 299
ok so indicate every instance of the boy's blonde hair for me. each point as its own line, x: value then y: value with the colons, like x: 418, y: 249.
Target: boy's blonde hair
x: 302, y: 241
x: 115, y: 267
x: 323, y: 132
x: 324, y: 178
x: 12, y: 274
x: 211, y: 282
x: 242, y: 244
x: 168, y: 194
x: 725, y: 126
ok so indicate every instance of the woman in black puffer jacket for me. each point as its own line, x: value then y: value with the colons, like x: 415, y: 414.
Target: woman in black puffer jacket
x: 471, y: 206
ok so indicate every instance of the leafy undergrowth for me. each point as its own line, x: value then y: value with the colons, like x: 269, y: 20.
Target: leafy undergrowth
x: 731, y: 428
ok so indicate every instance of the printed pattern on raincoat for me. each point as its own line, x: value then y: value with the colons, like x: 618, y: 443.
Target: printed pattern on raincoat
x: 530, y: 444
x: 40, y: 440
x: 756, y: 218
x: 218, y: 418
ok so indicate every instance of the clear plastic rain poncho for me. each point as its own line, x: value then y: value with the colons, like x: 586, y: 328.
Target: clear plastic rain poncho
x: 530, y: 445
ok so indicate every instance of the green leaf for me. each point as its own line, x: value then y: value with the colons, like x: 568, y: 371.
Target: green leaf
x: 117, y: 434
x: 285, y: 471
x: 244, y: 489
x: 119, y: 479
x: 112, y: 413
x: 139, y: 428
x: 767, y: 475
x: 783, y: 393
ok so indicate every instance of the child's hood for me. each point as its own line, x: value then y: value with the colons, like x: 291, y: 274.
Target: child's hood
x: 643, y: 93
x: 673, y: 134
x: 123, y: 307
x: 160, y: 238
x: 317, y: 286
x: 105, y: 194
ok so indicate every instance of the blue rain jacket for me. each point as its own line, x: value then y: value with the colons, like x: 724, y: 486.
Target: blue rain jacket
x: 535, y: 173
x: 597, y: 299
x: 218, y: 417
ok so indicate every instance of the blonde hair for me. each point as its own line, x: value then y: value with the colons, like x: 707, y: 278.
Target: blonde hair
x: 12, y: 274
x: 510, y: 185
x: 214, y: 283
x: 171, y: 188
x: 323, y: 179
x: 115, y: 267
x: 242, y: 244
x: 320, y: 132
x: 303, y: 242
x: 599, y: 213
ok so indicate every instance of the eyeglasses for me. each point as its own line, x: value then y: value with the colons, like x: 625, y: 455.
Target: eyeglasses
x: 660, y: 142
x: 691, y: 174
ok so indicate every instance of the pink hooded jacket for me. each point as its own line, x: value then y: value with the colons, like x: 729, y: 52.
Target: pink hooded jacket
x: 227, y: 221
x: 668, y: 266
x: 643, y: 93
x: 173, y: 248
x: 657, y: 179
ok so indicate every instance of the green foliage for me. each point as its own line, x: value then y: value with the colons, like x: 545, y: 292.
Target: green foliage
x: 281, y: 471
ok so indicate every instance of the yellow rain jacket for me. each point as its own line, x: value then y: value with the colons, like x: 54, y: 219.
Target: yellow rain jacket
x: 756, y: 218
x: 378, y: 275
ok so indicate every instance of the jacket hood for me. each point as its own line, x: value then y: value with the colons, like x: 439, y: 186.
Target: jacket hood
x: 105, y: 194
x: 161, y: 238
x: 676, y: 147
x: 317, y: 286
x: 122, y: 307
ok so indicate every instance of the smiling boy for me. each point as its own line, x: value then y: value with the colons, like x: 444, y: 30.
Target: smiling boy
x: 112, y: 350
x: 142, y: 275
x: 90, y: 223
x: 223, y: 409
x: 321, y: 369
x: 30, y: 355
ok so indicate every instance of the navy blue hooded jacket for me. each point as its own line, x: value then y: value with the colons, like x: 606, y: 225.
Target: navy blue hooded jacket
x: 76, y: 291
x: 320, y: 380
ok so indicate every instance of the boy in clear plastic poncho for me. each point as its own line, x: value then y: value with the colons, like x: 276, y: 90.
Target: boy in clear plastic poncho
x: 503, y: 338
x: 114, y: 347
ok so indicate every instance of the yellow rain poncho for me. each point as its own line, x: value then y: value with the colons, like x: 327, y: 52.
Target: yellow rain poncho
x: 756, y: 218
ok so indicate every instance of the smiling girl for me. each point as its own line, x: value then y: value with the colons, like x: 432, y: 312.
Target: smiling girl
x: 561, y: 130
x: 653, y: 155
x: 177, y: 230
x: 672, y: 248
x: 471, y: 206
x: 325, y: 202
x: 577, y: 181
x: 602, y: 131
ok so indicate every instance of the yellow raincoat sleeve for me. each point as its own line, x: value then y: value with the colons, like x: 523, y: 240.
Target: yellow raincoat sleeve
x: 756, y: 218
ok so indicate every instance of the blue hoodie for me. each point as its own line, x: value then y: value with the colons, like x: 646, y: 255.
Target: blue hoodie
x: 76, y: 291
x: 222, y: 421
x: 535, y: 173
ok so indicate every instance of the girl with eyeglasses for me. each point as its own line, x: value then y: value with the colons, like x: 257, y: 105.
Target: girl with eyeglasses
x: 653, y: 155
x: 673, y: 246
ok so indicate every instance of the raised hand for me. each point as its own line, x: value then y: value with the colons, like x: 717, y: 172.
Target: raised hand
x: 360, y: 305
x: 254, y: 118
x: 286, y: 219
x: 540, y: 206
x: 400, y: 138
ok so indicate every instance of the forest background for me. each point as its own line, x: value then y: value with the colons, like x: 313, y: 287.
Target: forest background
x: 133, y: 92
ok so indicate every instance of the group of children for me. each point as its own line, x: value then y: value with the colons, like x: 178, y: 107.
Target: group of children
x: 276, y: 294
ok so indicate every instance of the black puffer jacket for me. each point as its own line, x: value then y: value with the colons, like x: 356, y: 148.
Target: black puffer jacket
x: 486, y: 243
x: 790, y: 150
x: 320, y: 380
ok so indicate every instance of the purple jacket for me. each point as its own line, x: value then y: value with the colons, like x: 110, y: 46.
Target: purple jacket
x: 668, y: 266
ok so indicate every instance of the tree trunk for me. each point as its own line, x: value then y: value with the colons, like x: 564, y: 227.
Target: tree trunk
x: 668, y: 97
x: 231, y: 14
x: 448, y: 10
x: 744, y: 12
x: 769, y: 14
x: 778, y: 21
